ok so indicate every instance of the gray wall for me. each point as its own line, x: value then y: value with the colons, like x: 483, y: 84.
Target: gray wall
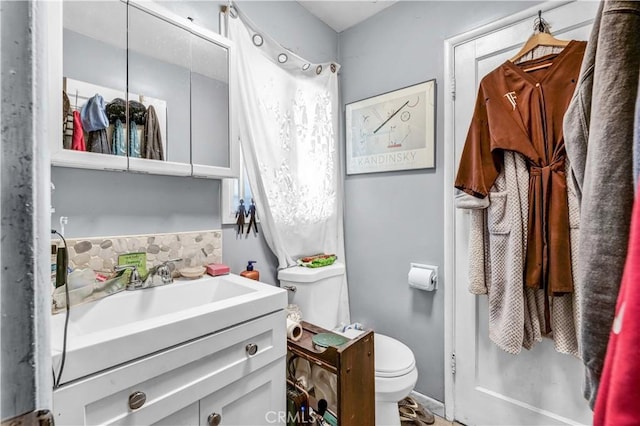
x: 100, y: 203
x: 111, y: 203
x: 209, y: 121
x: 161, y: 80
x: 395, y: 218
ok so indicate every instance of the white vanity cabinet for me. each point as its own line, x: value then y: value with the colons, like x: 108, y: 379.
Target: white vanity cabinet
x: 233, y: 377
x: 142, y: 54
x: 257, y: 399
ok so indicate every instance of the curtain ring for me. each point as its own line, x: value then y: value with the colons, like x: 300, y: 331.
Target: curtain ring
x: 257, y: 40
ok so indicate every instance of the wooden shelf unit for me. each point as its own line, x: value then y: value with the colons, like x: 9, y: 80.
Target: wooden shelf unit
x: 354, y: 366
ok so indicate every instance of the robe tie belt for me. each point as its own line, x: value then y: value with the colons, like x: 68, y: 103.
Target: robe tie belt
x: 548, y: 257
x: 548, y: 263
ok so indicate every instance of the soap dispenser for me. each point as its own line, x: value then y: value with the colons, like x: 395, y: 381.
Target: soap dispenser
x: 250, y: 273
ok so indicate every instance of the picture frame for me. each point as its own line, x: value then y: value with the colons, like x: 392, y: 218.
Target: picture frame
x: 392, y: 131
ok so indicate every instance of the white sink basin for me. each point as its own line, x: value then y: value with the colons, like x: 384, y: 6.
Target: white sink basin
x: 131, y: 324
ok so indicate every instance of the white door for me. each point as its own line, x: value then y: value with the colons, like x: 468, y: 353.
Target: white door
x: 539, y: 386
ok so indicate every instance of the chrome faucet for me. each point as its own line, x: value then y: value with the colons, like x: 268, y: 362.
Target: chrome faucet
x: 157, y: 276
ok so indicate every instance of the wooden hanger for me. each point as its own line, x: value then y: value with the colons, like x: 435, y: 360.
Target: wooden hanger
x: 538, y: 67
x: 541, y: 38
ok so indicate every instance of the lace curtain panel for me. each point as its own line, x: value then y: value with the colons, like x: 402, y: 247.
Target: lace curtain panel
x: 288, y: 111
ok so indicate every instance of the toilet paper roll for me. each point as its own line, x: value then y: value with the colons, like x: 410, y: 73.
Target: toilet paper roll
x: 302, y: 373
x: 325, y: 385
x: 294, y: 330
x: 422, y: 278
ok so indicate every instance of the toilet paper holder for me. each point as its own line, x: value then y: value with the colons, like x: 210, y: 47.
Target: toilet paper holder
x: 423, y: 277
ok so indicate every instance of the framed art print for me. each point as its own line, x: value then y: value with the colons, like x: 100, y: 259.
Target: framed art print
x: 392, y: 131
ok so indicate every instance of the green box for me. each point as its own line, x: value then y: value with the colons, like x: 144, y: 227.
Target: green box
x: 138, y: 260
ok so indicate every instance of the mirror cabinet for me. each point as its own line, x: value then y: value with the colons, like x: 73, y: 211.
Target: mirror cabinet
x: 143, y: 90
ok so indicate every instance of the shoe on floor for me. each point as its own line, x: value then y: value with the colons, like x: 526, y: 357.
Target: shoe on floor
x: 411, y: 411
x: 408, y: 416
x: 409, y: 402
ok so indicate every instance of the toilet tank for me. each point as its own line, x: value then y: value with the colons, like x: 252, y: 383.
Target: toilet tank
x: 317, y: 292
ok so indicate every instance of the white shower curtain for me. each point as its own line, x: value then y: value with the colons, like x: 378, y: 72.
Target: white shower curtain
x: 287, y: 112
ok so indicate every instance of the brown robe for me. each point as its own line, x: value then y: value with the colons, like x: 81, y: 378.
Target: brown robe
x: 523, y: 112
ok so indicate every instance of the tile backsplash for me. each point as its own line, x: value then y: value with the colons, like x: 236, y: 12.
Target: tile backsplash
x: 101, y: 254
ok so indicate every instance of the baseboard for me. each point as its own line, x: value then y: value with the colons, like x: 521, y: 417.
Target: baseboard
x: 435, y: 406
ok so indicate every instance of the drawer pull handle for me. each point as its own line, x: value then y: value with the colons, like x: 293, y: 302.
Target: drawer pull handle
x: 252, y: 348
x: 214, y: 419
x: 137, y: 400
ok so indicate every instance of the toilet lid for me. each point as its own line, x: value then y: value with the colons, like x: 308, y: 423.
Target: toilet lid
x: 393, y: 358
x: 301, y: 274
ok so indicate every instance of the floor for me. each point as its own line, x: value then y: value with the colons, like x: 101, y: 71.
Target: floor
x: 444, y: 422
x: 436, y: 408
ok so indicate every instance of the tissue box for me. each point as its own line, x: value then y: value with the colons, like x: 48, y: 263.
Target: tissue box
x: 216, y: 269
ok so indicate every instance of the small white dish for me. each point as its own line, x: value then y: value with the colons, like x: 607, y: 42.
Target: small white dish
x: 193, y: 272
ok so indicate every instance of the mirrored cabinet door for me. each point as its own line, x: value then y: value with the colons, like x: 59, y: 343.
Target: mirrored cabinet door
x: 94, y: 75
x: 209, y: 103
x: 142, y: 89
x: 159, y: 59
x: 214, y: 143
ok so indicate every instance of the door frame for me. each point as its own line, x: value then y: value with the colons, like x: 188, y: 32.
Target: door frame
x: 26, y: 221
x: 450, y: 45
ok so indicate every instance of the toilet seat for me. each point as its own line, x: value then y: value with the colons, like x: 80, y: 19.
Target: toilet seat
x: 392, y: 357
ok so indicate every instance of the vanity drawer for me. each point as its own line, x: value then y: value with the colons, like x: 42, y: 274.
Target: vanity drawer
x: 173, y: 378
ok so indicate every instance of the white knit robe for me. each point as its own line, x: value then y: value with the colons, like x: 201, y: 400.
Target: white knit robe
x: 497, y: 248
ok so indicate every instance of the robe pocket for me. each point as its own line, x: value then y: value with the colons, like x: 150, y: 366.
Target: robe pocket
x: 498, y: 221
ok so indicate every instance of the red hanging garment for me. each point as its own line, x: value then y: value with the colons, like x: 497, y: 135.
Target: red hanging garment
x: 619, y: 390
x: 77, y: 142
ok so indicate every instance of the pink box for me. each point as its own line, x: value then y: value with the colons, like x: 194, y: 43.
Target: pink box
x: 216, y: 269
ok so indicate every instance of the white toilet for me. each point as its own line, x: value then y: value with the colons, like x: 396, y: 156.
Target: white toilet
x: 317, y: 292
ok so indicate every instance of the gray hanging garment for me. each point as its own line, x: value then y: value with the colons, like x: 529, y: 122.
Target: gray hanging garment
x: 134, y: 140
x: 152, y: 138
x: 118, y: 145
x: 98, y: 142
